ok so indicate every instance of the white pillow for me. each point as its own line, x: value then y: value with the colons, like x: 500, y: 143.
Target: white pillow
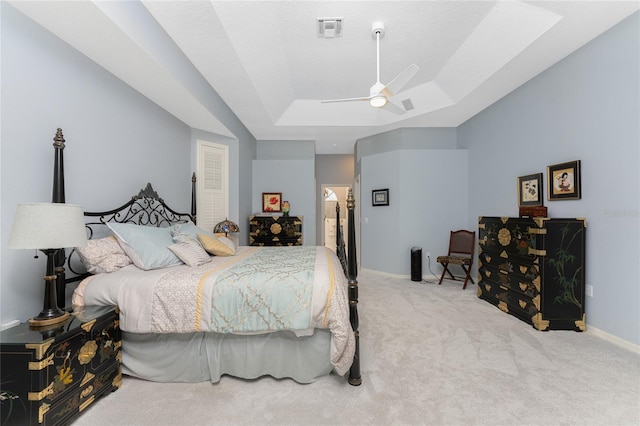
x: 146, y: 246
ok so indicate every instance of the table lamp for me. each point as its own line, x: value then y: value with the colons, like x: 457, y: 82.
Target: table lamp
x: 226, y: 226
x: 48, y: 227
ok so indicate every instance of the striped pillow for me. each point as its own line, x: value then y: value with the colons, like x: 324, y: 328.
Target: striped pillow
x: 190, y: 252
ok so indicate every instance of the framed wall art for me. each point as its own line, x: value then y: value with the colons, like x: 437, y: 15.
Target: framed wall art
x: 530, y: 190
x: 380, y: 197
x: 272, y: 202
x: 563, y: 181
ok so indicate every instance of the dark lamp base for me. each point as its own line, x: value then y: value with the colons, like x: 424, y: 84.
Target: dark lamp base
x: 41, y: 321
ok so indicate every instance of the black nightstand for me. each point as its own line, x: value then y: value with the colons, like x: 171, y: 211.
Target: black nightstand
x: 49, y: 376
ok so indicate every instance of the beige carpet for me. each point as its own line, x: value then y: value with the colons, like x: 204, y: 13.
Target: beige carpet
x: 431, y: 355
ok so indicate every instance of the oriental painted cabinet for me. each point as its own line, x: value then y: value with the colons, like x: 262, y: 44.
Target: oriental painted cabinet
x: 275, y: 230
x: 533, y: 269
x: 50, y: 375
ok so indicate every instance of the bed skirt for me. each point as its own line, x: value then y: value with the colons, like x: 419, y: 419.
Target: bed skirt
x: 199, y: 357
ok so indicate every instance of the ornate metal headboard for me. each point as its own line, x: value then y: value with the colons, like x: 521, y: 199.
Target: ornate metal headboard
x: 146, y: 208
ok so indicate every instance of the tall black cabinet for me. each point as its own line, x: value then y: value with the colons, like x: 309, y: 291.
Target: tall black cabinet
x: 533, y: 268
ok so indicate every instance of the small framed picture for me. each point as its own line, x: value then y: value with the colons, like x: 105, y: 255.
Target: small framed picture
x: 563, y: 181
x: 530, y: 190
x: 380, y: 197
x: 272, y: 202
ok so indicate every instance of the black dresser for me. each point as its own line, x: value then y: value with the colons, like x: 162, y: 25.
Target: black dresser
x: 50, y: 376
x: 275, y: 230
x: 533, y: 268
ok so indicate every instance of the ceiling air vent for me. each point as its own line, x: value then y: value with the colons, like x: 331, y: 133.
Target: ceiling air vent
x: 408, y: 105
x: 329, y: 27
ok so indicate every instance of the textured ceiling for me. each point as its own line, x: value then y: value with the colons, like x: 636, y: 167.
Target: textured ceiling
x: 266, y: 61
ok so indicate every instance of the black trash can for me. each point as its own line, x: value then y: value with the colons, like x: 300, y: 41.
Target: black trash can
x: 416, y: 263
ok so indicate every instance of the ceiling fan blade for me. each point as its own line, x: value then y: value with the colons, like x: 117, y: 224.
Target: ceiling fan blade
x: 401, y: 79
x: 394, y: 108
x: 345, y: 100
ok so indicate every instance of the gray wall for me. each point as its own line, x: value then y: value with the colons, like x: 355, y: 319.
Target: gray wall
x: 407, y: 138
x: 585, y: 108
x: 427, y: 199
x: 416, y: 193
x: 117, y: 141
x: 287, y: 167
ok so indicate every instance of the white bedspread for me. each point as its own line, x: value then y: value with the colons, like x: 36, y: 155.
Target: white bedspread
x: 148, y: 305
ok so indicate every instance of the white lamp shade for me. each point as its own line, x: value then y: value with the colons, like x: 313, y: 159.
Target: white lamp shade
x: 48, y: 226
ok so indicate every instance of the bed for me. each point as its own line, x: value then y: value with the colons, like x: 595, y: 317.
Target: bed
x: 185, y: 316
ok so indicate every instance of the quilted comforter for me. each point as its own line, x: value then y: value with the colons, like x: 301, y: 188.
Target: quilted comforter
x: 259, y: 290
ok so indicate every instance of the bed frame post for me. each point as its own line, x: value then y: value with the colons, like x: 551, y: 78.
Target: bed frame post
x: 354, y: 373
x: 193, y: 197
x: 340, y: 248
x: 58, y: 197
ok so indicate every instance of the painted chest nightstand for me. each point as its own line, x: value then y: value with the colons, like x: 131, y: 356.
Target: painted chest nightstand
x: 49, y: 376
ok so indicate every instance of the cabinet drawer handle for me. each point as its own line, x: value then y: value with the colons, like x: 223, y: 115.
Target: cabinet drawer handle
x: 537, y: 252
x: 86, y: 403
x: 86, y: 391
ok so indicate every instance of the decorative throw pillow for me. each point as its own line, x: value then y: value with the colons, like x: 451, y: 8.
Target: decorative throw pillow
x: 146, y: 246
x: 214, y: 246
x: 103, y: 255
x: 190, y: 252
x: 229, y: 242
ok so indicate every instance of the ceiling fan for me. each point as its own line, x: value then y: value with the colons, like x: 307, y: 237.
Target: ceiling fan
x: 380, y: 94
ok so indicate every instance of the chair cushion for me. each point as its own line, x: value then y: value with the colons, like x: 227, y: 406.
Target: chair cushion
x: 456, y: 260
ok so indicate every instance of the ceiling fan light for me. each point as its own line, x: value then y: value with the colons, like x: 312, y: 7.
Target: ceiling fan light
x: 378, y: 101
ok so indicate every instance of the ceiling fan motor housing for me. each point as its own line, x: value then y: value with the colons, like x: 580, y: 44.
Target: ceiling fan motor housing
x: 378, y: 27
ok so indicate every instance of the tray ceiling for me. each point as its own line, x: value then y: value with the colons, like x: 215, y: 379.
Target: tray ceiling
x: 267, y: 62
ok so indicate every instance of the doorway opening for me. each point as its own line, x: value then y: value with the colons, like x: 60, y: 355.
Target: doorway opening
x: 332, y: 195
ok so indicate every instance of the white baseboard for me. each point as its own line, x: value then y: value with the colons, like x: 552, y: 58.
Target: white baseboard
x: 400, y: 277
x: 613, y: 339
x: 9, y: 324
x: 385, y: 274
x: 426, y: 278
